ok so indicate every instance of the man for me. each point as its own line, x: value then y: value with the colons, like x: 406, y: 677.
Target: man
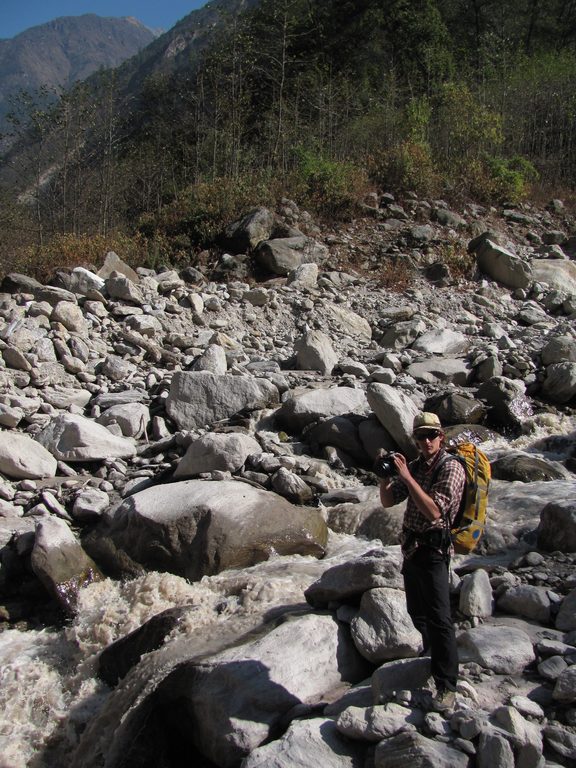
x: 433, y: 485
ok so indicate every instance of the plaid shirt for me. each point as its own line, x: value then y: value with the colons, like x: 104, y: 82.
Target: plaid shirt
x: 443, y: 480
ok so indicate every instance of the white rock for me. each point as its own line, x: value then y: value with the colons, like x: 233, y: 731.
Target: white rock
x: 23, y: 457
x: 503, y: 649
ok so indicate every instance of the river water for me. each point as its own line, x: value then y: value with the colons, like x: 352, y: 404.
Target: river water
x: 49, y: 693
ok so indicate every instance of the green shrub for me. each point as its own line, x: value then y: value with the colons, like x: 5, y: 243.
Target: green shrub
x: 408, y: 166
x: 511, y: 178
x: 330, y: 187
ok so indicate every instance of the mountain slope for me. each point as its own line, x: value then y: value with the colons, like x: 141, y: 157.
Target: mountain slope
x: 64, y: 51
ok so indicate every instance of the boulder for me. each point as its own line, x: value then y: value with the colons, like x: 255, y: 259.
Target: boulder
x: 233, y: 702
x: 446, y: 370
x: 505, y: 650
x: 476, y: 594
x: 60, y: 563
x: 396, y: 412
x: 383, y: 630
x: 195, y: 527
x: 559, y: 274
x: 502, y: 265
x: 528, y: 601
x: 283, y: 255
x: 522, y: 467
x: 557, y: 529
x: 299, y: 410
x: 318, y: 737
x: 131, y: 418
x: 416, y: 750
x: 314, y: 352
x: 22, y: 457
x: 73, y: 438
x: 442, y: 341
x: 216, y: 451
x: 559, y: 386
x: 377, y: 723
x: 198, y: 399
x: 566, y: 618
x: 348, y: 582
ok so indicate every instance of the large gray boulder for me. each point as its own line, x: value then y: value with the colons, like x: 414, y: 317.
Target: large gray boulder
x: 216, y: 451
x: 560, y: 382
x: 299, y: 410
x: 505, y: 650
x: 416, y: 750
x: 314, y: 352
x: 74, y: 438
x: 195, y: 527
x: 283, y: 255
x: 234, y: 701
x: 21, y: 457
x: 383, y: 630
x: 502, y: 265
x: 318, y: 738
x: 348, y: 581
x: 559, y: 274
x: 198, y: 399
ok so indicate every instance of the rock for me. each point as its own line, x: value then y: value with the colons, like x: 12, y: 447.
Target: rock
x: 409, y: 674
x: 318, y: 737
x: 74, y: 438
x: 244, y: 234
x: 213, y: 360
x: 559, y: 350
x: 299, y: 410
x: 505, y: 650
x: 527, y: 736
x: 507, y: 401
x: 528, y: 601
x: 297, y: 662
x: 89, y: 504
x: 379, y: 722
x: 566, y: 618
x: 476, y: 594
x: 559, y: 386
x: 216, y: 451
x: 561, y: 740
x: 442, y: 341
x: 132, y: 418
x: 113, y: 263
x: 417, y: 750
x: 501, y: 265
x: 60, y: 562
x: 523, y: 467
x: 198, y: 399
x: 118, y: 658
x: 494, y: 750
x: 350, y: 323
x: 291, y: 486
x: 282, y: 256
x: 23, y: 457
x: 556, y: 273
x: 446, y: 370
x: 557, y: 529
x: 396, y: 412
x: 383, y: 630
x: 314, y: 352
x: 565, y: 688
x: 349, y: 581
x: 453, y: 408
x: 195, y: 527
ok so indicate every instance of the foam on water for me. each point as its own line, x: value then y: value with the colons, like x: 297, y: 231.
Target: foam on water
x: 48, y: 688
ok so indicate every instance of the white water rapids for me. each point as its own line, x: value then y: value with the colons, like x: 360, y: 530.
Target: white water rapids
x: 49, y: 693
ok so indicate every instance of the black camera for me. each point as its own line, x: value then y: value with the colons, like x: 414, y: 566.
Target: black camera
x: 384, y: 465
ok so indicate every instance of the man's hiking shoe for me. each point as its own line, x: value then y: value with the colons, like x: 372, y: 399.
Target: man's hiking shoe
x: 444, y: 701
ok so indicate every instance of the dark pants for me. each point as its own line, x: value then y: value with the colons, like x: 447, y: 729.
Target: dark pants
x: 426, y: 583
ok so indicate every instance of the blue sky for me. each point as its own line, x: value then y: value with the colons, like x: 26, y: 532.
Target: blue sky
x: 18, y: 15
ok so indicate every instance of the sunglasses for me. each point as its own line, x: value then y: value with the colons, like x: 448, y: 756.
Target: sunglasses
x: 430, y: 434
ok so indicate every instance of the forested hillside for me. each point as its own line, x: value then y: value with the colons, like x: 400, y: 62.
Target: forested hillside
x: 318, y: 100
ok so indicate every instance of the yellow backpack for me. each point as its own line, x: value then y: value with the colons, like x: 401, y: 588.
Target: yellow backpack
x: 470, y: 520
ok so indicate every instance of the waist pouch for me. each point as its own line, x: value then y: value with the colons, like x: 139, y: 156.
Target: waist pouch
x: 438, y: 538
